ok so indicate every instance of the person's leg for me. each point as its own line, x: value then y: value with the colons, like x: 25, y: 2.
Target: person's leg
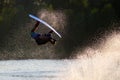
x: 51, y: 39
x: 48, y: 34
x: 35, y: 26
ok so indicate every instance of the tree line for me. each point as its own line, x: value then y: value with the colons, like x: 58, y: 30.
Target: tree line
x: 85, y: 18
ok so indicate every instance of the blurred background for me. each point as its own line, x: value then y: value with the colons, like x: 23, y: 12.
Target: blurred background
x: 80, y: 22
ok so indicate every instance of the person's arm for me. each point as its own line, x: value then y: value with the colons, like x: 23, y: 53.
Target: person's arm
x: 35, y: 26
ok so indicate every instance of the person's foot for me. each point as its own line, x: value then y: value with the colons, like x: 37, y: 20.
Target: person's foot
x: 53, y: 41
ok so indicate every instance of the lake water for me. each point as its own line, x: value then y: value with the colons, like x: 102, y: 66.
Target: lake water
x: 92, y: 68
x: 32, y: 69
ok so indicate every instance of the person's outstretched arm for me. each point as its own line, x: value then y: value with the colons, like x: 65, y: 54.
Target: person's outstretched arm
x: 35, y: 26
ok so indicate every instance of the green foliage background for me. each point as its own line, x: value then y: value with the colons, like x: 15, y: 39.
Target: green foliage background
x: 86, y: 18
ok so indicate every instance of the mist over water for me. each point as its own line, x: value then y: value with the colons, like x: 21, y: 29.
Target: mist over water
x: 98, y: 62
x: 20, y: 45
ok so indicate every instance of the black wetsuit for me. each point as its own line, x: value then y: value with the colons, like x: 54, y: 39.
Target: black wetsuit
x: 41, y: 39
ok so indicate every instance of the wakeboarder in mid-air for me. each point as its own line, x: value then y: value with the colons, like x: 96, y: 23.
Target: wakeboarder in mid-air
x: 41, y: 38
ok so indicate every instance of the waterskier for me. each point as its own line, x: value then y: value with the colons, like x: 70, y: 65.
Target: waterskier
x: 41, y: 38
